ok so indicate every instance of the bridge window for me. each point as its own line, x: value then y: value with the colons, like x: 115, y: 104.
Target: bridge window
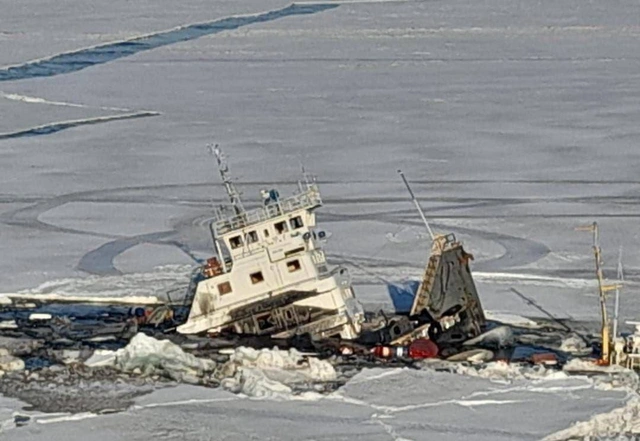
x: 293, y: 265
x: 322, y: 269
x: 252, y: 237
x: 296, y: 223
x: 293, y: 251
x: 224, y: 288
x: 281, y: 227
x: 257, y: 277
x: 266, y: 233
x: 235, y: 242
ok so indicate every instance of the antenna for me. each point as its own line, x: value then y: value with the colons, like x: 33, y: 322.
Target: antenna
x: 303, y: 172
x: 616, y: 309
x: 417, y: 204
x: 308, y: 177
x: 223, y: 168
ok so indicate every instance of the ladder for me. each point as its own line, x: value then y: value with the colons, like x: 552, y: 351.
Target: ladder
x: 429, y: 277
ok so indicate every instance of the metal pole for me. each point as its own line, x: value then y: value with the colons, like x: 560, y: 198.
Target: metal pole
x: 223, y: 169
x: 603, y: 302
x: 606, y: 337
x: 417, y: 204
x: 616, y: 309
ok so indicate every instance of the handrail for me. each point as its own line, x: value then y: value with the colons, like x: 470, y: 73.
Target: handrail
x: 306, y: 200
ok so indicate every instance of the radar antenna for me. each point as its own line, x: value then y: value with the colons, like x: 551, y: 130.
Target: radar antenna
x: 223, y: 168
x: 308, y: 177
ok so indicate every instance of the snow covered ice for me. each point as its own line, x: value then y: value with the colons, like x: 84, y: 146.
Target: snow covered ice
x: 149, y: 356
x: 377, y: 403
x: 270, y: 373
x: 515, y: 121
x: 273, y: 373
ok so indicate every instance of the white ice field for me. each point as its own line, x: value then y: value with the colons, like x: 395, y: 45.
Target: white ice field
x: 516, y: 121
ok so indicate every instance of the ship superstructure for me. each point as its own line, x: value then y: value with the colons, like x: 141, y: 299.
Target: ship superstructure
x: 270, y: 275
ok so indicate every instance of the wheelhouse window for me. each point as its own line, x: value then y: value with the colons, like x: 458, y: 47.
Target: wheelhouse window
x: 322, y: 269
x: 293, y: 265
x: 235, y: 242
x: 281, y: 227
x: 224, y: 288
x: 266, y: 233
x: 257, y: 277
x: 252, y: 237
x: 296, y: 222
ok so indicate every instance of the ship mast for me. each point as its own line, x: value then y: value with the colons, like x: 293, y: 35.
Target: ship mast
x: 606, y: 338
x: 417, y: 204
x: 223, y: 168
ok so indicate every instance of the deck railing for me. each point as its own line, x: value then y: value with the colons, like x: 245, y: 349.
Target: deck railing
x: 308, y: 199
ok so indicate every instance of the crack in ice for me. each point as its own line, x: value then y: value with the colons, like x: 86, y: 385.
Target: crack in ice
x: 74, y: 61
x: 54, y: 127
x: 398, y: 409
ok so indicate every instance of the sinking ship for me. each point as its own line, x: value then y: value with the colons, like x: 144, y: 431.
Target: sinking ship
x: 270, y: 275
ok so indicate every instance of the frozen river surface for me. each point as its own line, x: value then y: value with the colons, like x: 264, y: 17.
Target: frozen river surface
x: 515, y: 122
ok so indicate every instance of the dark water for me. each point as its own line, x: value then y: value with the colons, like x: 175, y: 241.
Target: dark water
x: 75, y: 61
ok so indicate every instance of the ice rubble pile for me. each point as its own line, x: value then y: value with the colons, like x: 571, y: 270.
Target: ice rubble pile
x: 496, y: 337
x: 151, y: 356
x: 575, y: 345
x: 499, y: 370
x: 9, y: 363
x: 147, y: 356
x: 617, y: 377
x: 273, y: 373
x: 257, y: 373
